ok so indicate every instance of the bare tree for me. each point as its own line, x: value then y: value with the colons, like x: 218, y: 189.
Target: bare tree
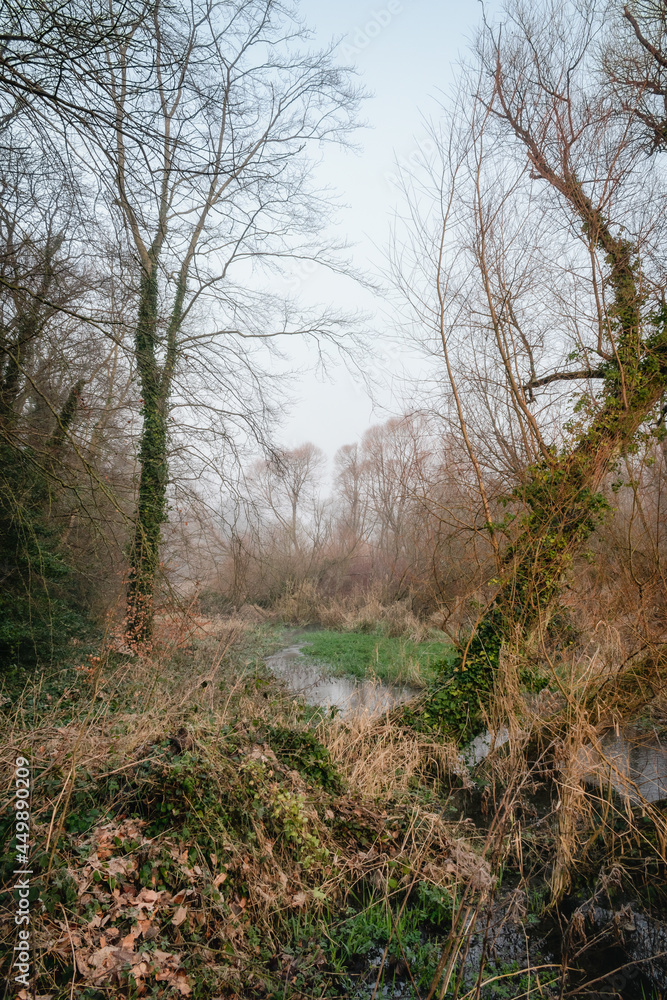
x: 546, y: 255
x: 45, y: 55
x: 289, y: 516
x: 236, y: 99
x: 636, y: 67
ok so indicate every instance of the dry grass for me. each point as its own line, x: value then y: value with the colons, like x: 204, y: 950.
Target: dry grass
x: 379, y: 757
x: 361, y: 612
x: 302, y: 848
x: 305, y: 850
x: 559, y: 736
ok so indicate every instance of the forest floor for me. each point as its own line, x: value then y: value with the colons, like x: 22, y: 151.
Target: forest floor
x: 198, y: 830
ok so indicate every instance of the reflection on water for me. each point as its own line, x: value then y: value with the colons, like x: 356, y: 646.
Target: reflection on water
x: 482, y: 745
x: 632, y: 762
x: 311, y: 682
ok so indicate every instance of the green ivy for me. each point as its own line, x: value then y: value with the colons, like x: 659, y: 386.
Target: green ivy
x: 302, y: 752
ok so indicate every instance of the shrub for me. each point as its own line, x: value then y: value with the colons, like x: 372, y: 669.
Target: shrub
x: 303, y: 753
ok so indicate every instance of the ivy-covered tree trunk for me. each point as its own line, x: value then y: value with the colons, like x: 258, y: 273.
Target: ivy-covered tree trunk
x: 151, y: 501
x: 561, y: 492
x: 33, y: 310
x: 155, y: 380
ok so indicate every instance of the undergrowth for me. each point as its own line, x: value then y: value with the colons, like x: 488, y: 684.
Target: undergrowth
x: 198, y: 831
x: 188, y: 818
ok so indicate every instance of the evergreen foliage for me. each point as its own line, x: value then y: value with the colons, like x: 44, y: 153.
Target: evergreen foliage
x: 37, y: 613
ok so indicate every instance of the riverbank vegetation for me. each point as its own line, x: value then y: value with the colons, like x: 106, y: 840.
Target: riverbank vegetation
x: 199, y: 831
x: 364, y: 654
x: 199, y: 828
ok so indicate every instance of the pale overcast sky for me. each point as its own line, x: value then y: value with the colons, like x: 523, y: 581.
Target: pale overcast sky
x: 406, y: 52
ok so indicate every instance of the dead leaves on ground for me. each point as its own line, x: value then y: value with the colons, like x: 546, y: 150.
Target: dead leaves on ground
x: 140, y: 935
x: 102, y: 949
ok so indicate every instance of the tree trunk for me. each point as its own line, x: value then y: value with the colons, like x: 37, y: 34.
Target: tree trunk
x: 65, y: 418
x: 562, y: 494
x: 152, y: 499
x: 156, y: 383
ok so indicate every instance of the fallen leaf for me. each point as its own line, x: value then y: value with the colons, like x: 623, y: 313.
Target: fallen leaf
x: 149, y: 930
x: 180, y: 915
x: 146, y: 899
x: 219, y: 879
x: 99, y: 958
x: 164, y: 956
x: 128, y: 941
x: 148, y: 895
x: 181, y: 984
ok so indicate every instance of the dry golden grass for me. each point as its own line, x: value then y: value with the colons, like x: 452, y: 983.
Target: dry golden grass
x: 196, y: 689
x: 364, y: 611
x: 590, y: 690
x: 128, y: 705
x: 379, y: 757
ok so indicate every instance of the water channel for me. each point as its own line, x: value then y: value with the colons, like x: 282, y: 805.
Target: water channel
x: 347, y: 695
x: 632, y: 762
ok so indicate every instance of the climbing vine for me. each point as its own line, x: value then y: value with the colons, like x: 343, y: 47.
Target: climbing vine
x: 561, y: 492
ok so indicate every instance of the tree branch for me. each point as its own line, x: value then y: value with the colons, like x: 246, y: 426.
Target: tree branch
x: 643, y: 41
x: 564, y: 377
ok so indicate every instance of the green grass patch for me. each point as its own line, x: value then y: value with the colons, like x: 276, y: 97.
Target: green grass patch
x: 394, y: 660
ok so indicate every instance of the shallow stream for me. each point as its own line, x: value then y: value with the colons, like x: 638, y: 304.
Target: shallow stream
x: 631, y: 762
x: 346, y: 694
